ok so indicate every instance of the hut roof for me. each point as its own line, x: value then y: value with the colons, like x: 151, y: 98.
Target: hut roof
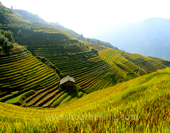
x: 68, y: 78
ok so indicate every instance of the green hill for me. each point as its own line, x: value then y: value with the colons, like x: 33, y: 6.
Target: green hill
x: 81, y: 37
x: 34, y: 19
x: 26, y: 81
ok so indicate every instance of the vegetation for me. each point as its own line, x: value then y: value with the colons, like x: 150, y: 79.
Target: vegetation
x: 162, y: 61
x: 93, y: 66
x: 81, y: 37
x: 24, y: 79
x: 147, y: 63
x: 29, y: 17
x: 7, y: 45
x: 35, y: 19
x: 102, y: 100
x: 138, y: 105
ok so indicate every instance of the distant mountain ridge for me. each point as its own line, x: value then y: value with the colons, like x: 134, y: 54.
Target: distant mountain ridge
x: 150, y: 37
x: 35, y: 19
x: 81, y: 37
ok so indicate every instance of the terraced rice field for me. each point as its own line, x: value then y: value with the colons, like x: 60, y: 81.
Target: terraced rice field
x: 26, y: 81
x: 147, y: 63
x: 94, y: 73
x: 120, y: 65
x: 138, y: 105
x: 87, y: 73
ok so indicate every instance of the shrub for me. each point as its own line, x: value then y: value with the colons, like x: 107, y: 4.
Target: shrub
x: 2, y: 32
x: 78, y: 88
x: 19, y: 32
x: 80, y: 94
x: 2, y: 39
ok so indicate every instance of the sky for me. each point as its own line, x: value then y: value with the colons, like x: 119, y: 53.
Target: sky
x: 87, y: 17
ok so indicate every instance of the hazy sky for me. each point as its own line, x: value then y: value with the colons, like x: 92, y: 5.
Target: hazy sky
x: 88, y: 16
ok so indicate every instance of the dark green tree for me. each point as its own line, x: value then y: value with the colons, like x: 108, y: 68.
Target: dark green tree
x: 8, y: 34
x: 19, y: 32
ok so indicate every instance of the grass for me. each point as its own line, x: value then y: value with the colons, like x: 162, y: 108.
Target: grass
x: 133, y: 106
x: 19, y: 98
x: 17, y: 20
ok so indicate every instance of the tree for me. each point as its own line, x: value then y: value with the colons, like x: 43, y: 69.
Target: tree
x: 8, y: 34
x: 19, y: 32
x: 94, y: 51
x: 7, y: 46
x: 82, y: 37
x: 98, y: 42
x: 2, y: 39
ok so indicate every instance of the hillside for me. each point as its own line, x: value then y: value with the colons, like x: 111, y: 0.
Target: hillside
x: 138, y: 105
x: 149, y: 37
x: 26, y: 81
x: 115, y: 91
x: 34, y: 19
x: 81, y: 37
x: 93, y: 66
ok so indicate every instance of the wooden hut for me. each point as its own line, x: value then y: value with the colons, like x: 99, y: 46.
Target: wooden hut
x: 67, y: 81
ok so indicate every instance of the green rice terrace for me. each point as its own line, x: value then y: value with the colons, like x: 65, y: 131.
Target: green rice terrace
x: 32, y: 77
x: 26, y: 81
x: 36, y: 56
x: 137, y: 105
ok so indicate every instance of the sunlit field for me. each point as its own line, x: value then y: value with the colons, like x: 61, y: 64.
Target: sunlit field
x: 138, y: 105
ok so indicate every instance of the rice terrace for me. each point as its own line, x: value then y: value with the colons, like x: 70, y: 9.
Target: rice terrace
x: 55, y: 80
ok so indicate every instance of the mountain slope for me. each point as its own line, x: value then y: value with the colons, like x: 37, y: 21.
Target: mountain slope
x: 37, y: 20
x: 81, y: 37
x: 93, y: 66
x: 149, y: 37
x: 138, y: 105
x: 26, y: 81
x: 34, y: 19
x: 92, y: 71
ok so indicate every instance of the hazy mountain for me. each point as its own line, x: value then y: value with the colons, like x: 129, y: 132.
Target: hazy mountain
x: 150, y: 37
x: 81, y: 37
x: 35, y: 19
